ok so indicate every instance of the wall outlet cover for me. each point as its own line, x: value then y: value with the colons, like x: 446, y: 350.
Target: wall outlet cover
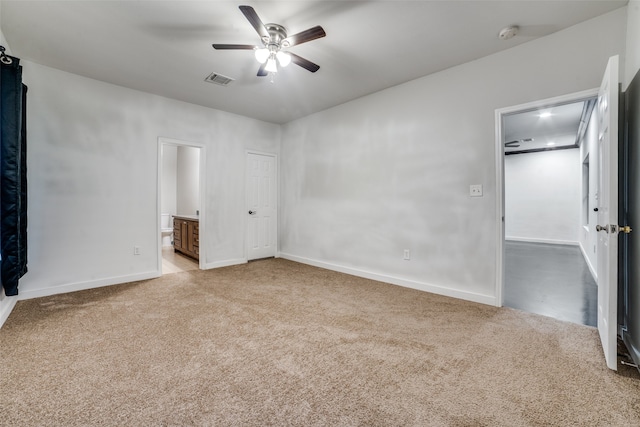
x: 475, y: 190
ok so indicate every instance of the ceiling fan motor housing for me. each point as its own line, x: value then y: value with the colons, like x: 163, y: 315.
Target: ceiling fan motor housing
x: 277, y: 33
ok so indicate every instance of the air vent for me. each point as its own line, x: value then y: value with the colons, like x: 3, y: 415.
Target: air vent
x: 218, y: 79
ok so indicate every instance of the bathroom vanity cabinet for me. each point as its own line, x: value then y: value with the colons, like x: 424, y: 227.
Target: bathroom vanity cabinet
x: 186, y: 237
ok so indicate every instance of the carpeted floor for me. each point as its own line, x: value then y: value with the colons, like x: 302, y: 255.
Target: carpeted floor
x: 279, y: 343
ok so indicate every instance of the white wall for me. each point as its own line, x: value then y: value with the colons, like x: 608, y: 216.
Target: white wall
x: 168, y: 198
x: 542, y: 196
x: 632, y: 60
x: 3, y: 41
x: 588, y: 235
x: 168, y: 189
x: 93, y: 179
x: 391, y: 171
x: 188, y: 180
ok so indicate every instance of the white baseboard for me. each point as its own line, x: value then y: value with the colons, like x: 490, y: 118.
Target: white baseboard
x: 225, y: 263
x: 549, y: 241
x: 6, y: 306
x: 421, y: 286
x: 586, y: 259
x: 81, y: 286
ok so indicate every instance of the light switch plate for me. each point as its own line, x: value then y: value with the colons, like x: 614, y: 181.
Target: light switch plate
x: 475, y: 190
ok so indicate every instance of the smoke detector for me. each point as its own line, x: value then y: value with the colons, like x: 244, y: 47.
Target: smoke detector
x: 508, y: 32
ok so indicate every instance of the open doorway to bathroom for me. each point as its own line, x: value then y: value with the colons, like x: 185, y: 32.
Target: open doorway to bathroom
x: 180, y: 210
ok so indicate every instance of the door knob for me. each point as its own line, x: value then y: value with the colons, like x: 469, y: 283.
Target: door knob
x: 252, y: 212
x: 626, y: 229
x: 615, y: 228
x: 595, y: 209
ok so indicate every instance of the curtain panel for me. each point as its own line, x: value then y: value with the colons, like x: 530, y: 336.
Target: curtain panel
x: 13, y: 176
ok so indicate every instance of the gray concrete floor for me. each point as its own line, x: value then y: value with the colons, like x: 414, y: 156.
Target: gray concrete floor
x: 552, y: 280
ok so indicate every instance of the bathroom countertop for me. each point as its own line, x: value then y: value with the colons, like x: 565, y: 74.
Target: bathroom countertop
x: 189, y: 217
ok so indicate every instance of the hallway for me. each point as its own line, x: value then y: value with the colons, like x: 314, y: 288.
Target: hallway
x: 551, y: 280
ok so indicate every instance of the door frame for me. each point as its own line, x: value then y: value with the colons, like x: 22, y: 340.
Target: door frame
x: 500, y: 193
x: 202, y: 181
x: 277, y: 197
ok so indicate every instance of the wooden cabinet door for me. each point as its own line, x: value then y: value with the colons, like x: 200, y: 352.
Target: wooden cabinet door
x: 177, y: 234
x: 184, y: 231
x: 186, y: 238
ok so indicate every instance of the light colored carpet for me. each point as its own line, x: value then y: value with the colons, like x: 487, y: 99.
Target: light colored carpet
x: 279, y: 343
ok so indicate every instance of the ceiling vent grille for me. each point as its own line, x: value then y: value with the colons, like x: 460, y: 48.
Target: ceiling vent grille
x: 218, y: 79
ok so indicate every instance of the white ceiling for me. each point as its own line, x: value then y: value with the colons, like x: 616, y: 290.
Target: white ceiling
x: 557, y: 128
x: 164, y: 47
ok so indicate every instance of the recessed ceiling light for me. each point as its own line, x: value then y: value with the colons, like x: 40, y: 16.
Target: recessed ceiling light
x: 545, y: 114
x: 551, y: 143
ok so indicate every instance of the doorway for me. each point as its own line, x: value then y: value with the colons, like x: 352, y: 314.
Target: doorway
x: 547, y: 226
x: 180, y: 211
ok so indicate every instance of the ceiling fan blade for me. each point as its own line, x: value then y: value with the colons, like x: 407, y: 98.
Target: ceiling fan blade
x: 255, y: 21
x: 261, y: 70
x: 304, y: 63
x: 233, y: 46
x: 305, y: 36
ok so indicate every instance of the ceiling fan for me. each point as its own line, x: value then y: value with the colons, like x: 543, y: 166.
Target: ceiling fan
x: 274, y: 39
x: 517, y: 142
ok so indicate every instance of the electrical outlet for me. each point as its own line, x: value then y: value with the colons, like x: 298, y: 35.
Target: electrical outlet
x: 475, y: 190
x: 136, y: 250
x: 407, y: 254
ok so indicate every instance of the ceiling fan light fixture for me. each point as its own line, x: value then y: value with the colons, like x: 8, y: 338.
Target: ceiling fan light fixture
x: 271, y: 66
x: 262, y: 55
x: 284, y: 58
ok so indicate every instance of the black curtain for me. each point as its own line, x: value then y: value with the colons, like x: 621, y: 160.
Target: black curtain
x: 13, y: 176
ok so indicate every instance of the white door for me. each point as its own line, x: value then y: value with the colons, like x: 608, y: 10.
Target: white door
x: 261, y: 206
x: 607, y: 110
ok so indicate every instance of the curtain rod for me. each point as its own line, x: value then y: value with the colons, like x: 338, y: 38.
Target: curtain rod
x: 4, y: 58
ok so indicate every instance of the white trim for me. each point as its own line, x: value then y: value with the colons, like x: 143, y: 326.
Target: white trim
x: 564, y: 99
x: 277, y: 200
x: 225, y: 263
x: 421, y: 286
x: 6, y: 307
x: 81, y: 286
x: 548, y: 241
x: 589, y: 264
x: 500, y: 231
x: 203, y: 182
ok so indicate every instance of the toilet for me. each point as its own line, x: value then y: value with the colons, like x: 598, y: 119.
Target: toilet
x: 166, y: 229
